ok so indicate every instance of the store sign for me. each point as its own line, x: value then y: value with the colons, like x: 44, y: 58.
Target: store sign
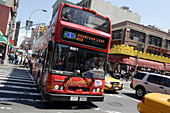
x: 84, y: 38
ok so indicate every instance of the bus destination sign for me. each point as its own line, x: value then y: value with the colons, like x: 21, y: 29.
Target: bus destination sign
x: 84, y: 38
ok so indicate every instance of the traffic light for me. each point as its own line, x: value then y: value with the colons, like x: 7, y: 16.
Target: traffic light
x: 42, y: 28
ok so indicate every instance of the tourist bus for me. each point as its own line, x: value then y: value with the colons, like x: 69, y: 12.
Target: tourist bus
x: 59, y: 64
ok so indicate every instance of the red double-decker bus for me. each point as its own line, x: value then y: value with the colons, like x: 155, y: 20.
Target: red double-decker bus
x: 73, y: 64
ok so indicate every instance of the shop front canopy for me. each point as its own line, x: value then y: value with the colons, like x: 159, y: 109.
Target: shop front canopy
x: 141, y: 62
x: 4, y: 39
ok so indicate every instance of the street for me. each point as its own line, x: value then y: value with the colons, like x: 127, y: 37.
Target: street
x: 18, y: 94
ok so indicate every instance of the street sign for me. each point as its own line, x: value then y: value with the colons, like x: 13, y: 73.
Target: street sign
x: 28, y: 25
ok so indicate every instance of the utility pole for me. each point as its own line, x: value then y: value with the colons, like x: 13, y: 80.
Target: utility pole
x: 6, y: 52
x: 139, y: 46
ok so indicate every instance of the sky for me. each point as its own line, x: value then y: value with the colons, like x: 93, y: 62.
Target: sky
x: 152, y: 12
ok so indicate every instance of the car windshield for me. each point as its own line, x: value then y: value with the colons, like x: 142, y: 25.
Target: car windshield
x: 108, y: 75
x: 70, y: 60
x: 85, y: 18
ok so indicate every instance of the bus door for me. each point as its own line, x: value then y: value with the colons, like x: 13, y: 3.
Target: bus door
x: 44, y: 72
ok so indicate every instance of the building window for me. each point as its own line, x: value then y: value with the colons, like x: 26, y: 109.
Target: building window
x: 136, y: 35
x: 86, y: 4
x: 153, y: 52
x: 166, y: 55
x: 167, y: 44
x: 156, y: 41
x: 117, y: 34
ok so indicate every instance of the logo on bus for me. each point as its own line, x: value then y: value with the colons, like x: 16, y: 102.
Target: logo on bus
x: 70, y: 35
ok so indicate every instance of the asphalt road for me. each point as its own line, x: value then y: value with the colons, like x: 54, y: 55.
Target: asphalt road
x: 18, y: 94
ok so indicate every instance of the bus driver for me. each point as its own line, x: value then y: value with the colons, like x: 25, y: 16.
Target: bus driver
x: 89, y: 64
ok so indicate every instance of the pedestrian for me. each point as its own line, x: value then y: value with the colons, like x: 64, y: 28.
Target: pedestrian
x: 16, y: 59
x: 122, y: 74
x: 26, y: 62
x: 127, y: 75
x: 29, y: 62
x: 12, y: 58
x: 0, y: 57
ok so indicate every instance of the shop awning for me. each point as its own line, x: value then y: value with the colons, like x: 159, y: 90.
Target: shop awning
x: 150, y: 64
x: 141, y: 62
x: 4, y: 39
x: 167, y: 67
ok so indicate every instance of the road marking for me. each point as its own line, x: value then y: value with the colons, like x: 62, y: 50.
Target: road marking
x: 127, y: 86
x: 128, y: 91
x: 20, y: 99
x: 19, y: 92
x: 113, y: 95
x: 6, y: 108
x: 19, y: 80
x: 15, y: 77
x: 18, y: 87
x: 9, y: 82
x: 106, y: 111
x: 32, y: 78
x: 136, y: 100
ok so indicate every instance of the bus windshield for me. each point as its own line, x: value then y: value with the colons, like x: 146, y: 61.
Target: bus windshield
x: 85, y: 18
x: 69, y: 60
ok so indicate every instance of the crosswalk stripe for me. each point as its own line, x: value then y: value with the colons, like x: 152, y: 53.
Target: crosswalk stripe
x: 19, y: 80
x: 9, y: 82
x: 19, y: 87
x: 20, y: 99
x: 20, y: 93
x: 25, y: 78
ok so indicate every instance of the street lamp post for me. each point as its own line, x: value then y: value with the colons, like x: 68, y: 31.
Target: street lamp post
x: 6, y: 52
x: 28, y: 24
x: 138, y: 47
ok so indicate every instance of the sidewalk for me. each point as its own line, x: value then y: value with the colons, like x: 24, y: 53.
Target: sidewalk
x: 12, y: 65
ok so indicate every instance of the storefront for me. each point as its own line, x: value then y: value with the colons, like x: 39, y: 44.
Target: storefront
x: 130, y: 62
x: 167, y: 67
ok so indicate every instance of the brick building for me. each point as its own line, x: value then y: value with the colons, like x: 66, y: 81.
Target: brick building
x: 4, y: 18
x: 153, y: 45
x: 8, y: 12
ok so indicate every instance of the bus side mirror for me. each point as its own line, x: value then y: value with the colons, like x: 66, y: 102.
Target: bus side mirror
x: 50, y: 46
x: 108, y: 67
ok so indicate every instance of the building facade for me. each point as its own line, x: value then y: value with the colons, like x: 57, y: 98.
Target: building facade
x: 8, y: 9
x: 150, y: 44
x: 115, y: 13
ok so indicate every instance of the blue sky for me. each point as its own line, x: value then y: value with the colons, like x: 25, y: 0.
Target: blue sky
x: 152, y: 12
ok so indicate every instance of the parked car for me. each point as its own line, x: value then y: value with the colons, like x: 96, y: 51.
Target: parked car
x: 154, y: 103
x: 145, y: 82
x: 112, y: 84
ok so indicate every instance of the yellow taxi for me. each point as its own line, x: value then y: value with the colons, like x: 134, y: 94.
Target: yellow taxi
x: 154, y: 103
x: 112, y: 84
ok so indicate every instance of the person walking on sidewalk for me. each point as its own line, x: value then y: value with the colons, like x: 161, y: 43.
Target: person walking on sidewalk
x: 26, y: 62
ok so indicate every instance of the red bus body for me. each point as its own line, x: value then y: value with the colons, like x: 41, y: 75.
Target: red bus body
x: 61, y: 87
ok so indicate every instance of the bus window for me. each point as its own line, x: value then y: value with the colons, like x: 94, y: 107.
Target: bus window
x: 85, y: 18
x: 68, y: 59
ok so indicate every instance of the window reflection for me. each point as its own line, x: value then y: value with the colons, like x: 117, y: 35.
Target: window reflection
x: 69, y: 59
x: 85, y: 18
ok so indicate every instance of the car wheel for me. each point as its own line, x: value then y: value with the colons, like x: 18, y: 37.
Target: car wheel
x: 140, y: 92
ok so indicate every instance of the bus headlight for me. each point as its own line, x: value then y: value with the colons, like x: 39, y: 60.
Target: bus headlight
x: 98, y: 89
x: 94, y: 90
x: 61, y: 87
x: 56, y: 87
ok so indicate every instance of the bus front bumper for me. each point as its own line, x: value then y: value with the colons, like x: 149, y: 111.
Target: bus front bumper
x: 67, y: 97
